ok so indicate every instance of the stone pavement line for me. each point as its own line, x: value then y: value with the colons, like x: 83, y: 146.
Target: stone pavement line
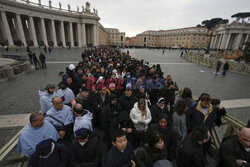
x: 23, y: 119
x: 14, y: 120
x: 237, y: 103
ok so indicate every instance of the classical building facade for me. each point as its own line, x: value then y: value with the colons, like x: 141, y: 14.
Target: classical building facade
x: 103, y: 36
x: 230, y: 36
x: 191, y: 37
x: 116, y: 37
x: 36, y: 24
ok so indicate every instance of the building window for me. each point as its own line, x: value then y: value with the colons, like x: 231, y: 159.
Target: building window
x: 145, y: 39
x: 121, y: 38
x: 194, y: 38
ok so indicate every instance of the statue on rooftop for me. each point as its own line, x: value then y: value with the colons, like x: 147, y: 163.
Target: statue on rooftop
x: 50, y: 5
x: 68, y: 7
x: 87, y: 7
x: 77, y: 9
x: 82, y: 8
x: 60, y: 6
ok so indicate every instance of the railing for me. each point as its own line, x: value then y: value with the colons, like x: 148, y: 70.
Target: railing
x: 8, y: 148
x: 233, y: 127
x: 212, y: 62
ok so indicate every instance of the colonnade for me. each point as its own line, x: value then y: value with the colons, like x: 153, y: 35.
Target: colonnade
x: 73, y: 29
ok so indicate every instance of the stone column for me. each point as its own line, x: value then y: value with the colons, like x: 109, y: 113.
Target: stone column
x: 237, y: 44
x: 71, y: 34
x: 79, y: 35
x: 44, y: 34
x: 83, y: 35
x: 53, y: 32
x: 20, y: 31
x: 62, y: 33
x: 32, y: 31
x: 227, y: 41
x: 94, y: 35
x: 97, y: 36
x: 6, y: 28
x: 212, y: 42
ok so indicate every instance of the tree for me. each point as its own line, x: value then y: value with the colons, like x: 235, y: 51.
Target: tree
x: 210, y: 24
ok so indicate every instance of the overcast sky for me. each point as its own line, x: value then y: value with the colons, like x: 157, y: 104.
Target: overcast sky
x: 136, y: 16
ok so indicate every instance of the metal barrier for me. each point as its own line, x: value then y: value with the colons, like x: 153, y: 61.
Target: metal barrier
x: 212, y: 62
x: 8, y: 148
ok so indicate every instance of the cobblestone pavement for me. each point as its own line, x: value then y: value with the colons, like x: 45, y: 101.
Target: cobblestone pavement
x: 20, y: 95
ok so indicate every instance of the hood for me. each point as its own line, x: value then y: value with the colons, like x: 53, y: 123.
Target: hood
x: 136, y: 106
x: 42, y: 93
x: 88, y: 116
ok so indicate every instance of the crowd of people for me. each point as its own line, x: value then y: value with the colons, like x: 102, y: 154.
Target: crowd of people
x: 117, y: 111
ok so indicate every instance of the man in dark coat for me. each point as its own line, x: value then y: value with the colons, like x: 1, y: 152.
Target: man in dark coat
x: 86, y: 149
x: 225, y: 68
x: 127, y: 101
x: 235, y: 151
x: 191, y: 152
x: 35, y: 60
x: 49, y: 154
x: 158, y: 109
x: 109, y: 112
x: 124, y: 123
x: 121, y: 153
x: 169, y: 89
x: 201, y: 113
x: 42, y: 58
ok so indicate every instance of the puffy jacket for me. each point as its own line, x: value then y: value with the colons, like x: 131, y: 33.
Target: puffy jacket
x: 136, y: 115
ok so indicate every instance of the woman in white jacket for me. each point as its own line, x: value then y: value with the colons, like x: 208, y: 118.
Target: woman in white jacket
x: 141, y: 117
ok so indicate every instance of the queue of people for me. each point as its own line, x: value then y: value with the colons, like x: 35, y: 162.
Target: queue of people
x: 116, y: 111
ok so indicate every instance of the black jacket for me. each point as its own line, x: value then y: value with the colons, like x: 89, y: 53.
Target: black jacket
x: 59, y: 158
x: 146, y: 156
x: 109, y: 113
x: 169, y: 94
x: 127, y: 103
x: 196, y: 117
x: 156, y: 111
x: 89, y: 155
x: 191, y: 153
x: 115, y: 158
x: 230, y: 150
x: 169, y: 136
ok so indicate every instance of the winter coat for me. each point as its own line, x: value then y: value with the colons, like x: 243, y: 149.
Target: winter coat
x: 136, y: 115
x: 59, y: 158
x: 196, y: 117
x: 191, y: 153
x: 179, y: 125
x: 156, y: 111
x: 108, y: 114
x: 169, y: 136
x: 45, y: 100
x: 116, y: 158
x: 146, y: 156
x: 169, y: 94
x: 230, y: 150
x: 127, y: 103
x: 87, y: 103
x: 89, y: 155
